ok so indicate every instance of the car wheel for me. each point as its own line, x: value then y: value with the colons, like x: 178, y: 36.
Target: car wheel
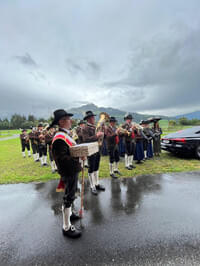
x: 198, y: 152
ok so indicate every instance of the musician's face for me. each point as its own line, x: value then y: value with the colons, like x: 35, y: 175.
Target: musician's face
x: 113, y: 124
x: 91, y: 120
x: 65, y: 122
x: 40, y: 128
x: 128, y: 121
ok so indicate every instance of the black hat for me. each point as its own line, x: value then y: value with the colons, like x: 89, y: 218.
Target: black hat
x: 112, y: 119
x: 58, y: 114
x: 81, y: 122
x: 154, y: 119
x: 40, y: 125
x: 24, y: 130
x: 128, y: 116
x: 88, y: 114
x: 144, y: 122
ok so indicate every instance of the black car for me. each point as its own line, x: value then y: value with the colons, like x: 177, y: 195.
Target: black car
x: 184, y: 142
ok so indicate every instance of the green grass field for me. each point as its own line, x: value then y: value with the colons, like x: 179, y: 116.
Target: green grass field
x: 15, y: 169
x: 9, y: 133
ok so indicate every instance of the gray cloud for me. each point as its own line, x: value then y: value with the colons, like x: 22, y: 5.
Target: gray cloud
x: 138, y: 56
x: 26, y: 60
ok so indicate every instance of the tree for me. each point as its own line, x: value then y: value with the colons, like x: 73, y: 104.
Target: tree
x: 31, y: 118
x: 172, y: 123
x: 17, y: 121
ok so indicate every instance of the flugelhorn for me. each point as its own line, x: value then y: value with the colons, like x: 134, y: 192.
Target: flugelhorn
x: 103, y: 118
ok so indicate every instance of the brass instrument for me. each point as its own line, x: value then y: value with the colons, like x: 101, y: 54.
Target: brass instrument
x: 122, y: 130
x: 74, y: 134
x: 26, y: 137
x: 103, y: 118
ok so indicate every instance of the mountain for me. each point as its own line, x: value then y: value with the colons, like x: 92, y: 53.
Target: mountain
x: 118, y: 114
x: 193, y: 115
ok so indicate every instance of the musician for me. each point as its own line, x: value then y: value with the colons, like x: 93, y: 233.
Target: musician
x: 34, y: 144
x: 25, y: 143
x: 42, y: 147
x: 112, y: 140
x: 139, y: 148
x: 81, y: 125
x: 51, y: 130
x: 148, y: 150
x: 90, y: 135
x: 129, y: 142
x: 157, y: 132
x: 68, y: 168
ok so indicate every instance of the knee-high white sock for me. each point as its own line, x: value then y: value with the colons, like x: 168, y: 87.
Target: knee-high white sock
x: 52, y: 166
x: 145, y: 154
x: 96, y: 178
x: 131, y: 160
x: 29, y: 153
x: 116, y: 166
x: 55, y: 166
x: 111, y: 168
x: 23, y: 154
x: 66, y: 218
x: 91, y: 179
x: 126, y: 160
x: 45, y: 159
x: 41, y: 160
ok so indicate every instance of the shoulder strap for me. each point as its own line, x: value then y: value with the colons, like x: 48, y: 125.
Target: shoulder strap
x: 64, y: 137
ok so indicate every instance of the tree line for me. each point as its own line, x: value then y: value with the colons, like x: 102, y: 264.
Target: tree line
x: 184, y: 121
x: 21, y: 121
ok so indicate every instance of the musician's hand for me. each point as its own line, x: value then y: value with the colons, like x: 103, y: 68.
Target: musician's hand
x: 117, y: 131
x: 99, y: 134
x: 83, y: 158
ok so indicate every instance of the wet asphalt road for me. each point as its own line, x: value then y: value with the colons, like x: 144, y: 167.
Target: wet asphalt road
x: 149, y: 220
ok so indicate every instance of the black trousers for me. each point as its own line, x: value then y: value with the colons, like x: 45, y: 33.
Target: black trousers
x: 50, y: 153
x: 70, y: 189
x: 42, y: 150
x: 24, y: 146
x: 129, y: 148
x: 93, y: 162
x: 113, y: 153
x: 34, y: 148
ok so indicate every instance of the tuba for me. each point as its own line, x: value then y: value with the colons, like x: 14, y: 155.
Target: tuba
x: 103, y: 118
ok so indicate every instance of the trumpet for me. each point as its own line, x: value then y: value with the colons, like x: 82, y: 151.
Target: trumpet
x: 103, y: 118
x: 74, y: 134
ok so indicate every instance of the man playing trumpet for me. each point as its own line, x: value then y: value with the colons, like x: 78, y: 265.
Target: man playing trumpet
x: 89, y: 134
x: 129, y: 141
x: 112, y: 140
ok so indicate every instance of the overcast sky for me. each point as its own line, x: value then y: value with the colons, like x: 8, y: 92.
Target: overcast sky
x: 138, y: 56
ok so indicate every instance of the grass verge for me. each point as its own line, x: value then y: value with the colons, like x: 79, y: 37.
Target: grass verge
x: 15, y: 169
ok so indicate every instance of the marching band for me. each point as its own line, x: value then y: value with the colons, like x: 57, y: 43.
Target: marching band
x: 140, y: 142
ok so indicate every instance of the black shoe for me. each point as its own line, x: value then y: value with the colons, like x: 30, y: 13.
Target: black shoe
x: 94, y: 191
x: 132, y: 166
x: 117, y: 172
x: 86, y: 166
x: 129, y: 168
x: 74, y: 217
x: 100, y: 187
x: 139, y: 162
x: 113, y: 176
x: 72, y: 232
x: 37, y: 160
x: 45, y: 164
